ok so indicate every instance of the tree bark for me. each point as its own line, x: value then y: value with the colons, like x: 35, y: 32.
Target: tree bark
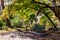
x: 56, y: 9
x: 2, y: 4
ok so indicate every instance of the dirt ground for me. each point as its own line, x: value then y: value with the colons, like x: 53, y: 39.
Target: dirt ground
x: 19, y: 35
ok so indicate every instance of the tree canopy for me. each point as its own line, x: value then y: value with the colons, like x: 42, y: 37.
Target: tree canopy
x: 27, y: 11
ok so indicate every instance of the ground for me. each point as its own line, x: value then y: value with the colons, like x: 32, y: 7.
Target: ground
x: 19, y: 35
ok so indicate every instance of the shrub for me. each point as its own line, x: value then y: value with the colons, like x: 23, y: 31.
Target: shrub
x: 2, y: 23
x: 18, y: 24
x: 38, y: 27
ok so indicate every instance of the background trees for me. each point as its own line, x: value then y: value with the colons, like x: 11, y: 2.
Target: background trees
x: 27, y: 11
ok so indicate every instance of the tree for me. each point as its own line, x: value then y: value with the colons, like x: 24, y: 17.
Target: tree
x: 55, y: 8
x: 6, y: 19
x: 2, y: 3
x: 23, y: 8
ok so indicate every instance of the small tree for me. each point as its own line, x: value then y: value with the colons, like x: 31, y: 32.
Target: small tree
x: 8, y: 24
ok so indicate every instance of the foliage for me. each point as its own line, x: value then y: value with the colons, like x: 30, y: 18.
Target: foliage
x: 22, y: 12
x: 16, y: 22
x: 38, y: 27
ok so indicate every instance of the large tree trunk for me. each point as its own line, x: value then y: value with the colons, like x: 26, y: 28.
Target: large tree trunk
x: 56, y: 10
x: 2, y: 4
x: 8, y: 24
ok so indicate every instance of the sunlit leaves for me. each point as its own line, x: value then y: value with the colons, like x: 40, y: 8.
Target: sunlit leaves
x: 26, y: 10
x: 37, y: 0
x: 0, y: 17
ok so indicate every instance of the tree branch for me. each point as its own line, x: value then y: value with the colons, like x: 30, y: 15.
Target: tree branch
x: 58, y: 6
x: 43, y: 4
x: 40, y: 9
x: 47, y: 6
